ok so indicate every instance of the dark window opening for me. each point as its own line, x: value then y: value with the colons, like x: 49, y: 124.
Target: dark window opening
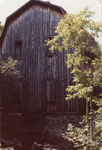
x: 51, y: 106
x: 50, y: 55
x: 2, y: 56
x: 18, y: 50
x: 50, y: 37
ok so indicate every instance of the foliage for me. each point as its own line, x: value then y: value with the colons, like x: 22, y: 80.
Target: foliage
x: 1, y: 27
x: 77, y: 34
x: 9, y: 67
x: 80, y: 136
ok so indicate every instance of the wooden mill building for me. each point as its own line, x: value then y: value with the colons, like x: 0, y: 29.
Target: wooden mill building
x: 43, y: 75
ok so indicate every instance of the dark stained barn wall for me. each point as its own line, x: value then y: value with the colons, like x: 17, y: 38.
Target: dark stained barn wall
x: 44, y: 76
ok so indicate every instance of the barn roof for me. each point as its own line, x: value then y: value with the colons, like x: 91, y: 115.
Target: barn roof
x: 25, y: 7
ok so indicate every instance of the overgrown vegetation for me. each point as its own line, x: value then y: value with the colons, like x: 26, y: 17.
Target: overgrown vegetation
x: 77, y: 33
x: 1, y: 27
x: 9, y: 67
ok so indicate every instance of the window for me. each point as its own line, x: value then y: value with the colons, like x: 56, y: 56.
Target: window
x: 51, y: 106
x: 18, y: 50
x: 51, y: 76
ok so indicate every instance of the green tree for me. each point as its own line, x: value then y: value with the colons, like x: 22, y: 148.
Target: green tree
x: 78, y: 33
x: 1, y: 27
x: 9, y: 67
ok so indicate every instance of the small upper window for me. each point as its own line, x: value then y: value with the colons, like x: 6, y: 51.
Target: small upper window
x: 18, y: 50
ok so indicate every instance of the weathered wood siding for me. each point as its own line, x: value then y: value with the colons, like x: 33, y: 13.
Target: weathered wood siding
x: 44, y: 76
